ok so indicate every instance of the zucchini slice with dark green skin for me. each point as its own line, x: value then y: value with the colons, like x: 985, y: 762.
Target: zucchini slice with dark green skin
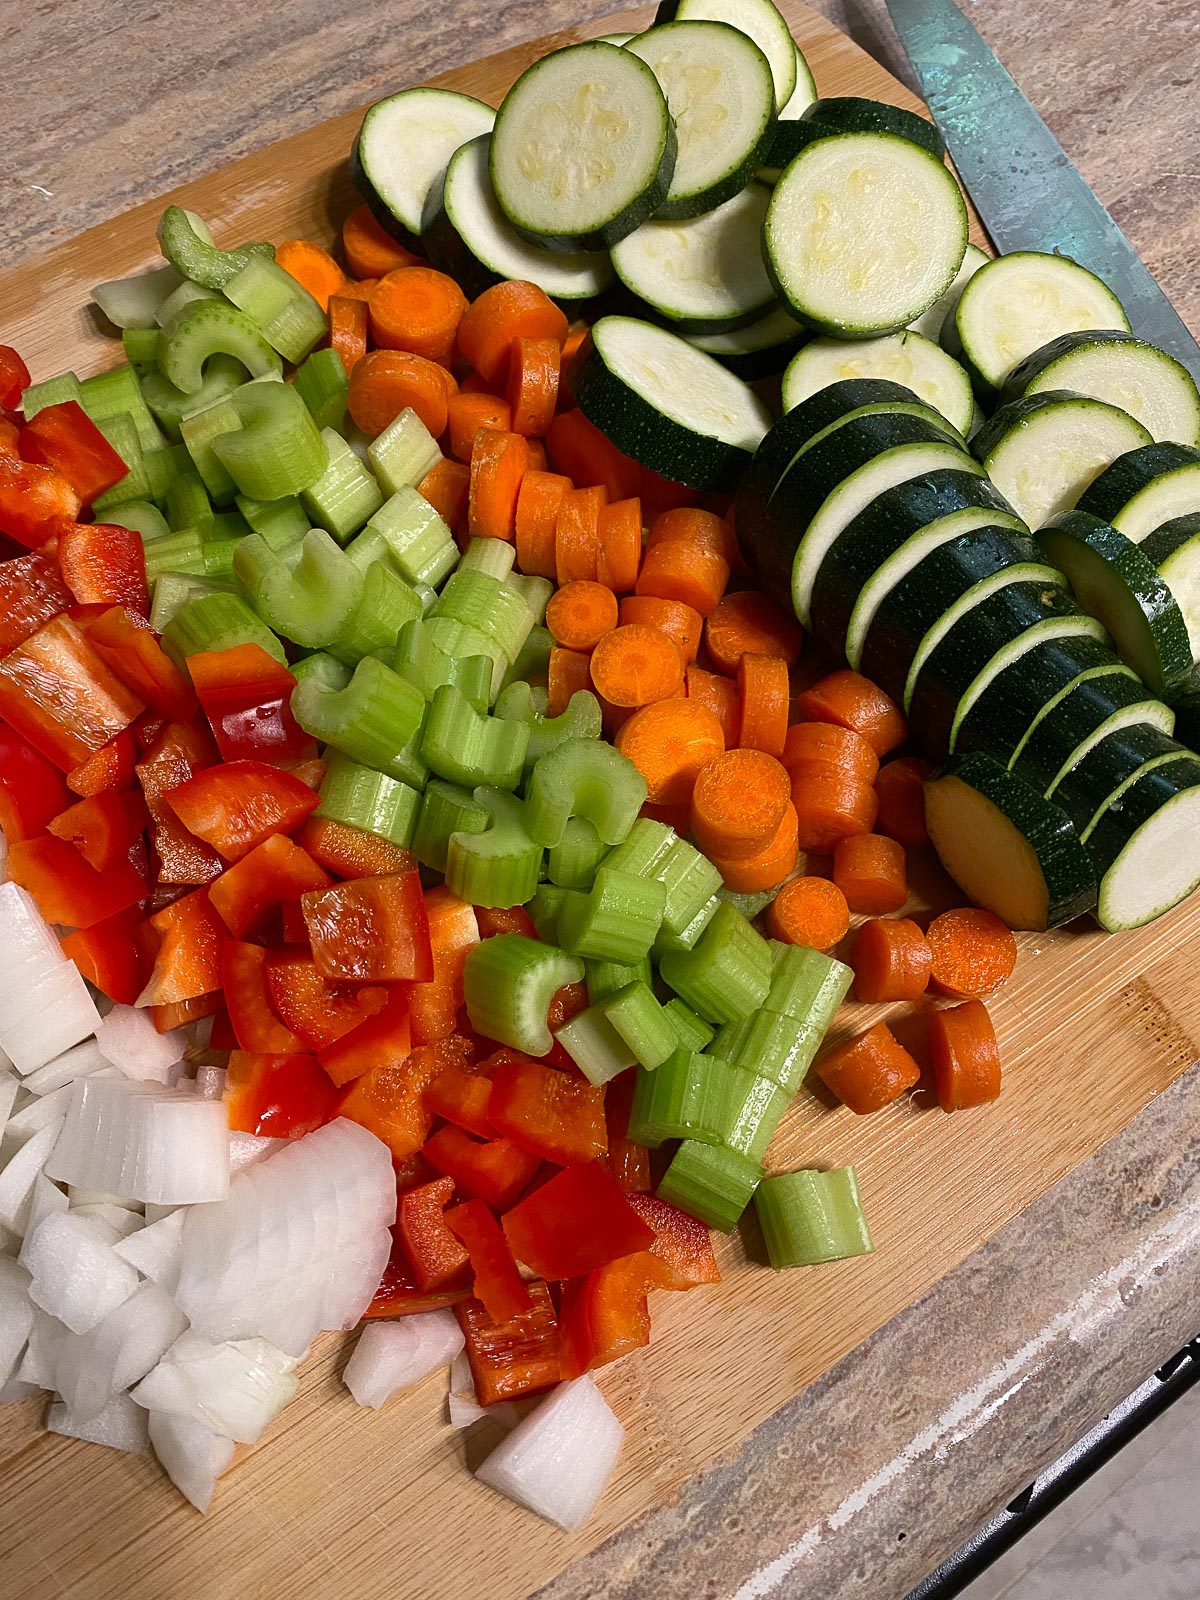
x: 906, y: 357
x: 1008, y: 848
x: 1145, y: 488
x: 1102, y: 776
x: 759, y: 20
x: 1146, y: 848
x: 853, y: 114
x: 1012, y: 703
x: 1094, y: 708
x: 403, y: 149
x: 1175, y: 551
x: 759, y: 350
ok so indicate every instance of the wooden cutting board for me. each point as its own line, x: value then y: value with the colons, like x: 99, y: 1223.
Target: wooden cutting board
x: 337, y: 1501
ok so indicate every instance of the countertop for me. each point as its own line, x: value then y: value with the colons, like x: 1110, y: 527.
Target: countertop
x: 868, y: 1478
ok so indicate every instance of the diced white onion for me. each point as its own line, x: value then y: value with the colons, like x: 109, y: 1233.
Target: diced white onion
x: 46, y: 1199
x: 8, y: 1093
x: 119, y: 1220
x: 395, y: 1355
x: 155, y: 1250
x: 19, y: 1175
x: 15, y: 1389
x: 45, y: 1007
x: 235, y: 1388
x: 35, y: 1114
x: 128, y: 1038
x: 78, y: 1062
x: 558, y: 1459
x: 39, y: 1364
x: 16, y: 1315
x: 209, y: 1083
x: 143, y: 1142
x: 75, y: 1274
x: 192, y: 1456
x: 121, y: 1425
x: 94, y: 1367
x: 247, y: 1148
x: 465, y: 1409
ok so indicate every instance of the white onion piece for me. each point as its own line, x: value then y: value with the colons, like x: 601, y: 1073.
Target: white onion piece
x: 247, y: 1148
x: 120, y: 1220
x: 16, y: 1315
x: 74, y: 1273
x: 46, y: 1199
x: 465, y: 1409
x: 209, y: 1083
x: 14, y: 1389
x: 19, y: 1175
x: 128, y: 1038
x: 559, y: 1458
x: 94, y: 1367
x: 157, y: 1213
x: 235, y: 1388
x: 191, y: 1455
x: 78, y: 1062
x: 45, y: 1007
x: 79, y: 1196
x: 121, y: 1425
x: 395, y: 1355
x: 132, y: 302
x: 155, y: 1250
x: 39, y: 1364
x: 143, y: 1142
x: 35, y: 1114
x: 9, y: 1083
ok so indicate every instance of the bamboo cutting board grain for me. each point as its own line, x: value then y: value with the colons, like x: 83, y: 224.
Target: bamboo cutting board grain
x: 338, y: 1501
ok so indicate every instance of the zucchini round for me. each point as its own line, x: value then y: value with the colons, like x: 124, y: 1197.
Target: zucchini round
x: 1145, y: 488
x: 931, y: 322
x: 1146, y: 848
x: 1175, y: 551
x: 759, y: 20
x: 760, y: 349
x: 403, y: 148
x: 1095, y: 708
x: 855, y: 114
x: 1185, y: 703
x: 1101, y: 778
x: 906, y: 358
x: 1014, y: 701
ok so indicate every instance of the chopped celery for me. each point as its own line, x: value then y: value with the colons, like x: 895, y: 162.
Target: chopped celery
x: 370, y: 720
x: 189, y: 550
x: 532, y: 664
x: 616, y: 920
x: 310, y: 600
x: 643, y: 1024
x: 222, y: 375
x: 572, y: 862
x: 727, y: 974
x: 196, y: 257
x: 519, y: 702
x: 582, y: 778
x: 446, y: 809
x: 278, y: 450
x: 534, y: 591
x: 385, y: 605
x: 685, y: 1097
x: 652, y: 850
x: 688, y: 937
x: 500, y: 867
x: 282, y: 523
x: 479, y: 601
x: 200, y: 429
x: 403, y: 453
x: 188, y: 505
x: 806, y: 984
x: 163, y: 465
x: 418, y: 659
x: 140, y: 515
x: 118, y: 393
x: 456, y: 639
x: 176, y: 303
x: 775, y: 1046
x: 645, y: 847
x: 216, y: 622
x: 466, y: 747
x: 50, y: 392
x: 140, y: 345
x: 494, y: 557
x: 173, y: 590
x: 595, y: 1046
x: 608, y: 977
x: 508, y: 982
x: 417, y: 539
x: 130, y: 303
x: 291, y: 320
x: 370, y: 800
x: 810, y: 1217
x: 322, y: 384
x: 135, y: 485
x: 208, y: 328
x: 710, y: 1183
x: 345, y: 496
x: 748, y: 904
x: 543, y: 909
x: 753, y: 1108
x: 691, y: 1031
x: 324, y: 668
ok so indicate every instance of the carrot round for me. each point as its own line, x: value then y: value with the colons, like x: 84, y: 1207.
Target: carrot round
x: 500, y: 316
x: 417, y: 309
x: 498, y: 462
x: 370, y: 251
x: 348, y: 329
x: 533, y: 384
x: 720, y: 695
x: 635, y: 665
x: 358, y: 288
x: 973, y: 952
x: 766, y: 867
x: 869, y: 1072
x: 538, y: 504
x: 852, y: 701
x: 869, y: 869
x: 569, y: 671
x: 581, y: 613
x: 763, y: 686
x: 312, y: 267
x: 620, y: 552
x: 578, y: 448
x: 537, y: 455
x: 692, y: 573
x: 832, y: 805
x: 577, y: 335
x: 739, y: 802
x: 812, y: 746
x: 809, y: 911
x: 965, y: 1056
x: 679, y: 622
x: 891, y: 960
x: 689, y: 525
x: 749, y: 623
x: 901, y: 790
x: 386, y: 382
x: 670, y: 743
x: 446, y: 486
x: 577, y: 535
x: 467, y: 413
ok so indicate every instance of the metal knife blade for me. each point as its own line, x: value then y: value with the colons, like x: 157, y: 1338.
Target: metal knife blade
x: 1023, y: 184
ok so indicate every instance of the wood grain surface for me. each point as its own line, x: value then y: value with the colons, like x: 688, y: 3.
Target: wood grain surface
x: 338, y: 1501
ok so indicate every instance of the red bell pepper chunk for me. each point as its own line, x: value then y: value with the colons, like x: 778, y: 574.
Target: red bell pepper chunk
x: 180, y: 752
x: 370, y: 930
x: 221, y: 1035
x: 435, y: 1254
x: 494, y: 1170
x: 461, y: 1096
x: 103, y: 827
x: 188, y: 961
x: 278, y: 1096
x: 31, y: 592
x: 63, y: 436
x: 453, y: 931
x: 248, y: 1002
x: 514, y: 1358
x: 577, y: 1220
x: 124, y: 642
x: 57, y: 693
x: 9, y: 437
x: 246, y: 695
x: 236, y: 806
x: 627, y: 1162
x: 67, y: 889
x: 565, y: 1003
x: 14, y: 378
x: 317, y: 1011
x: 111, y: 767
x: 34, y: 500
x: 498, y: 1284
x: 274, y: 872
x: 103, y: 564
x: 382, y: 1040
x: 504, y: 919
x: 682, y: 1251
x: 178, y: 1013
x: 112, y: 956
x: 604, y: 1315
x: 555, y: 1115
x: 387, y: 1100
x: 398, y: 1295
x: 352, y: 852
x: 32, y: 790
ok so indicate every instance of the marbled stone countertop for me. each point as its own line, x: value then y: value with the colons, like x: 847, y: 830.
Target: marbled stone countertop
x: 867, y: 1479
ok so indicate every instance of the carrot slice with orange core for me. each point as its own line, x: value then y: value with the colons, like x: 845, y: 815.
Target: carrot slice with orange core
x: 536, y: 519
x: 581, y: 613
x: 766, y: 867
x: 576, y: 447
x: 965, y: 1056
x: 739, y: 802
x: 312, y: 267
x: 446, y: 486
x: 690, y: 572
x: 500, y: 316
x: 891, y: 960
x: 418, y: 310
x: 670, y: 743
x: 348, y: 329
x: 620, y: 552
x: 387, y: 382
x: 357, y: 289
x: 635, y: 665
x: 467, y: 413
x: 569, y: 672
x: 577, y: 535
x: 812, y: 746
x: 852, y: 701
x: 763, y: 687
x: 869, y: 1072
x: 689, y: 525
x: 973, y: 952
x: 370, y: 251
x: 672, y: 617
x: 901, y: 790
x: 869, y: 869
x: 720, y: 695
x: 749, y: 623
x: 498, y: 462
x: 809, y: 911
x: 832, y: 804
x: 533, y: 384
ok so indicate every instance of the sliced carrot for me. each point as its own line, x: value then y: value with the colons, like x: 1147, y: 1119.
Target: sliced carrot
x: 768, y: 866
x: 370, y: 251
x: 763, y: 687
x: 690, y: 572
x: 670, y: 816
x: 750, y: 623
x: 852, y: 701
x: 498, y: 318
x: 689, y: 525
x: 467, y: 413
x: 635, y: 665
x: 891, y: 960
x: 672, y: 617
x: 538, y: 504
x: 533, y: 384
x: 739, y: 802
x: 901, y: 790
x: 577, y: 535
x: 498, y: 462
x: 973, y: 952
x: 446, y: 486
x: 581, y: 613
x: 312, y: 267
x: 670, y: 743
x: 348, y: 329
x: 578, y: 448
x: 869, y: 1072
x: 537, y: 455
x: 475, y: 383
x: 869, y: 869
x: 358, y: 288
x: 809, y: 911
x: 620, y: 553
x: 832, y: 804
x: 418, y: 310
x: 720, y: 695
x: 569, y: 672
x: 965, y: 1056
x: 811, y: 746
x: 576, y: 338
x: 387, y: 382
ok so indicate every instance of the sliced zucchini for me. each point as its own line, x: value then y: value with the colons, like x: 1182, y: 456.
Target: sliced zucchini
x: 758, y: 20
x: 780, y: 148
x: 1116, y: 581
x: 669, y: 406
x: 1008, y: 848
x: 583, y: 148
x: 856, y: 442
x: 821, y: 119
x: 1043, y: 450
x: 404, y: 147
x: 721, y: 95
x: 1185, y: 703
x: 760, y: 349
x: 615, y: 38
x: 907, y: 358
x: 1101, y: 778
x: 1146, y: 847
x: 864, y: 232
x: 1142, y: 490
x: 704, y: 275
x: 1175, y: 551
x: 1094, y: 708
x: 1016, y: 304
x: 1013, y: 702
x: 930, y: 322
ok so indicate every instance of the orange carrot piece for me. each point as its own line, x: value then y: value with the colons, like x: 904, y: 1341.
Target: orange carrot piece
x: 474, y: 383
x: 973, y: 952
x: 689, y: 525
x: 348, y: 329
x: 612, y: 718
x: 763, y: 686
x: 635, y: 665
x: 768, y: 866
x: 750, y: 623
x: 832, y: 804
x: 852, y: 701
x: 620, y: 553
x: 537, y: 455
x: 498, y: 462
x: 869, y: 1072
x: 576, y: 338
x: 688, y: 571
x: 670, y: 743
x: 720, y: 695
x: 313, y: 268
x: 891, y: 960
x: 679, y: 622
x: 577, y: 448
x: 386, y: 382
x: 446, y: 486
x: 809, y: 911
x: 811, y: 746
x: 538, y: 504
x: 869, y: 869
x: 533, y: 384
x: 577, y: 535
x: 358, y: 289
x: 371, y: 251
x: 499, y: 317
x: 901, y: 790
x: 739, y: 802
x: 467, y: 413
x: 581, y: 613
x: 569, y: 672
x: 418, y: 310
x: 965, y: 1056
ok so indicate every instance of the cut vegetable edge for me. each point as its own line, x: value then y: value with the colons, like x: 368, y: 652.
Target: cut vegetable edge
x: 906, y: 358
x: 1145, y: 488
x: 1147, y: 847
x: 1080, y: 627
x: 403, y: 148
x: 759, y: 20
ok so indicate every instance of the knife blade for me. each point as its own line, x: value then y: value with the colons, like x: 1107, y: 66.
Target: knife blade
x: 1023, y: 184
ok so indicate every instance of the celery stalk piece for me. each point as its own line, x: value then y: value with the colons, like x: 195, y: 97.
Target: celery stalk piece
x: 216, y: 622
x: 282, y: 522
x: 291, y: 320
x: 534, y: 591
x: 140, y: 345
x: 806, y: 984
x: 753, y: 1107
x: 176, y: 303
x: 278, y: 450
x: 478, y: 601
x: 582, y: 778
x: 595, y: 1046
x: 711, y: 1183
x: 494, y: 557
x: 370, y: 720
x: 692, y: 1032
x: 645, y: 848
x: 164, y: 465
x: 520, y: 702
x: 686, y: 1097
x: 188, y: 505
x: 130, y: 303
x: 572, y: 862
x: 333, y: 674
x: 643, y: 1024
x: 500, y: 867
x: 426, y: 666
x: 775, y: 1046
x: 532, y: 665
x: 118, y: 393
x: 403, y: 453
x: 687, y: 938
x: 200, y: 430
x: 616, y: 920
x: 508, y: 982
x: 543, y: 910
x: 50, y: 392
x: 446, y: 809
x: 385, y: 605
x: 345, y: 496
x: 174, y: 590
x: 414, y: 535
x: 652, y: 850
x: 311, y: 600
x: 809, y: 1217
x: 370, y: 800
x: 169, y: 404
x: 469, y: 748
x: 322, y: 384
x: 183, y: 551
x: 610, y: 977
x: 208, y: 328
x: 195, y: 256
x: 748, y: 904
x: 727, y: 974
x: 141, y: 515
x: 121, y: 433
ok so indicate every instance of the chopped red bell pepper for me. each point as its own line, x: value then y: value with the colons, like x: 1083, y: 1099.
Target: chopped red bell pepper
x: 9, y: 436
x: 461, y: 1096
x: 494, y: 1170
x: 398, y: 1295
x: 309, y: 769
x: 178, y: 1013
x: 317, y: 1011
x: 370, y: 930
x: 384, y: 1039
x: 565, y: 1003
x: 188, y: 961
x: 277, y: 1096
x: 273, y: 873
x: 497, y: 1283
x: 246, y: 695
x: 352, y: 852
x: 577, y: 1220
x: 31, y: 592
x: 180, y: 751
x: 111, y: 955
x: 248, y: 1002
x: 14, y: 378
x: 147, y: 730
x: 103, y: 564
x: 555, y: 1115
x: 504, y: 919
x: 103, y: 827
x: 412, y: 1171
x: 626, y: 1161
x: 236, y: 806
x: 682, y: 1248
x: 125, y: 644
x: 32, y: 790
x: 111, y: 767
x: 33, y: 501
x: 453, y: 931
x: 604, y: 1315
x: 388, y: 1101
x: 436, y: 1256
x: 514, y: 1358
x: 57, y: 693
x: 67, y: 889
x: 63, y: 436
